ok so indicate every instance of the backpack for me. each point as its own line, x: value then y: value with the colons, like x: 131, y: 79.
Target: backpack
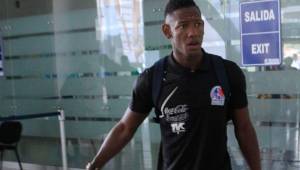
x: 159, y: 72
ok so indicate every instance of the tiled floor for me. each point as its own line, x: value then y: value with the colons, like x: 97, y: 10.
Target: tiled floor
x: 37, y: 151
x: 8, y: 165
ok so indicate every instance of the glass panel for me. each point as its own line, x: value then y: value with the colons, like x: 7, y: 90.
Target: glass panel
x: 81, y: 56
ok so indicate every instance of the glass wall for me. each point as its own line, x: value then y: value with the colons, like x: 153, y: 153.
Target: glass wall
x: 83, y: 57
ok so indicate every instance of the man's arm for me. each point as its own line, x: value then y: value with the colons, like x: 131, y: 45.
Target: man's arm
x: 246, y: 138
x: 117, y: 138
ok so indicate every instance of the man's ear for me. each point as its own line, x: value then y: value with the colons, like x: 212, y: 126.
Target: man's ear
x: 166, y: 29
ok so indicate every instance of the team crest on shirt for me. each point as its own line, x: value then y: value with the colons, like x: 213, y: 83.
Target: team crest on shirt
x: 217, y: 96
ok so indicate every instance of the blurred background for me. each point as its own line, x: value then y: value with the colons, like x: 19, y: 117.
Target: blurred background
x: 83, y: 57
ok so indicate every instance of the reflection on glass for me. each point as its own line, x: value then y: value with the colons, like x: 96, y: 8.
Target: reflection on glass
x: 120, y: 31
x: 291, y: 60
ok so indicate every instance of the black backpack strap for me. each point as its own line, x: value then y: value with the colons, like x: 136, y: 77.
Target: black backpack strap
x: 159, y: 70
x: 221, y: 74
x: 157, y: 79
x: 220, y: 70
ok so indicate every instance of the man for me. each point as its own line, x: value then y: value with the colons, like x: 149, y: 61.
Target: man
x: 191, y: 106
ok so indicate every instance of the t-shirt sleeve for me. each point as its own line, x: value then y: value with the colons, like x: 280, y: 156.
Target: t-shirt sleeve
x: 141, y: 101
x: 238, y: 98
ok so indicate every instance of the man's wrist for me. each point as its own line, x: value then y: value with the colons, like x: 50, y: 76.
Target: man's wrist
x: 91, y: 166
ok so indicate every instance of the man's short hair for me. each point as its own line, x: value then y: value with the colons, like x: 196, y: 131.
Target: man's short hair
x: 174, y: 5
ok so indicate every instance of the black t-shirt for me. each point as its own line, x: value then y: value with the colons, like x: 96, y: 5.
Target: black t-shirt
x: 192, y: 114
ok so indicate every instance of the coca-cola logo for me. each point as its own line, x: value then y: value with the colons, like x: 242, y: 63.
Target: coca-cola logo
x: 176, y: 110
x: 173, y: 114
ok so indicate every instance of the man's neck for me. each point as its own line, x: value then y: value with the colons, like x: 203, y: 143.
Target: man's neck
x: 191, y: 62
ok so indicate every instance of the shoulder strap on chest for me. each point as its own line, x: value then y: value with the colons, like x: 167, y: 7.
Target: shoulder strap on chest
x: 157, y: 80
x: 222, y: 77
x: 220, y: 70
x: 159, y: 72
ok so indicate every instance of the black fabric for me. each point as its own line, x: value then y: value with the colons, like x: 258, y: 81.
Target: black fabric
x: 157, y: 80
x: 159, y: 72
x: 193, y: 130
x: 158, y: 76
x: 222, y: 77
x: 221, y: 73
x: 10, y: 135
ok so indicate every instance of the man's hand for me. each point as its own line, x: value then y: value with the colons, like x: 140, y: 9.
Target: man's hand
x: 90, y: 166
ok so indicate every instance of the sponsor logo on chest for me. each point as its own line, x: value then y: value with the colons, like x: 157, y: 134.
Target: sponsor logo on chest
x: 178, y: 127
x: 217, y: 96
x: 176, y: 115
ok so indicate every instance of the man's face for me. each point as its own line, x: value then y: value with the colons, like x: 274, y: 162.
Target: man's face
x: 185, y: 29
